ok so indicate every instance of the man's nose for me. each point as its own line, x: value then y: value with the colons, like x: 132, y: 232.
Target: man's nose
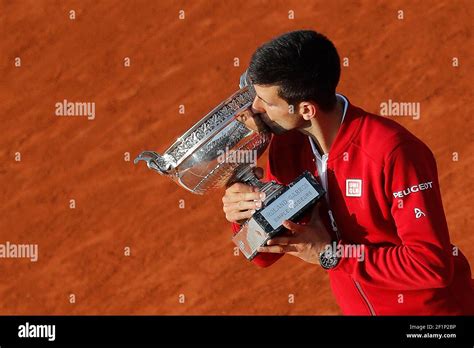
x: 257, y: 107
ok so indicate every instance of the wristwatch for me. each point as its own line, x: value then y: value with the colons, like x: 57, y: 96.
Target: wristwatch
x: 328, y: 258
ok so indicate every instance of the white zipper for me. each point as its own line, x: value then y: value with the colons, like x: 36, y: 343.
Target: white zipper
x: 361, y: 292
x: 333, y: 224
x: 324, y: 164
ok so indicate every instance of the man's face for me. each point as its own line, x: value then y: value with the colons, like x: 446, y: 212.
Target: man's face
x: 274, y: 111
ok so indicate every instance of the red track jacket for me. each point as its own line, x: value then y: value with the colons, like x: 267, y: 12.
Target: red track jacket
x: 384, y: 195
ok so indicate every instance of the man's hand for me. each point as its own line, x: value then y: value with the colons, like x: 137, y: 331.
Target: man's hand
x: 240, y: 200
x: 304, y: 241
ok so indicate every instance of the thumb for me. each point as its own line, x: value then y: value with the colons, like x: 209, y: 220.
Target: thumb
x: 293, y: 227
x: 258, y: 172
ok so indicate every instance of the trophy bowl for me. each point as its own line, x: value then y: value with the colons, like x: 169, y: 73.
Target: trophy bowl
x: 222, y: 148
x: 218, y: 150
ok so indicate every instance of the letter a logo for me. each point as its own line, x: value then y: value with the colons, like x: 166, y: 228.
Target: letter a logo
x: 419, y: 213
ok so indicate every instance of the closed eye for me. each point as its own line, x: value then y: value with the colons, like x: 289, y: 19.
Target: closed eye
x: 264, y: 101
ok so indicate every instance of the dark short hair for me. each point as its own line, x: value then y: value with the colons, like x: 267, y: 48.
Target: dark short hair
x: 304, y: 64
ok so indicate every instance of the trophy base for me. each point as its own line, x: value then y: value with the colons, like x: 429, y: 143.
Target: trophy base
x: 284, y: 203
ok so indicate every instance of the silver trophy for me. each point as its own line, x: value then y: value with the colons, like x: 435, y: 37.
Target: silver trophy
x: 221, y: 149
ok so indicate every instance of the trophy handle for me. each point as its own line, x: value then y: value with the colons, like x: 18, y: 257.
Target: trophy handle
x: 244, y: 80
x: 161, y: 164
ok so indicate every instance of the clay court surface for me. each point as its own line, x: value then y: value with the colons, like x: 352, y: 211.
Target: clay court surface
x: 190, y: 62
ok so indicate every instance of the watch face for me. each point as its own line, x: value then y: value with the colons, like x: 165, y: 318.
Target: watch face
x: 328, y: 260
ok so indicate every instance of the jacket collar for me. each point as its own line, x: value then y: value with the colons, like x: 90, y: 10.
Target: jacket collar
x: 347, y: 131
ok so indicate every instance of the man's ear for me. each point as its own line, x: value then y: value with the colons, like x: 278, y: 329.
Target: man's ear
x: 308, y: 110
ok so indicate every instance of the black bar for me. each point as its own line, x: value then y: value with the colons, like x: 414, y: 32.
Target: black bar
x: 222, y: 330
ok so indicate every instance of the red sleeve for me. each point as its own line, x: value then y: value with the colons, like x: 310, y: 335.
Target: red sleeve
x: 262, y: 259
x: 424, y: 257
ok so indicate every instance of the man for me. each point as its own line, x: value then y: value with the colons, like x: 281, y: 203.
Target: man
x: 383, y: 198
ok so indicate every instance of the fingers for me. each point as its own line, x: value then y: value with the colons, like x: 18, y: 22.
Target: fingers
x: 243, y: 196
x: 241, y: 192
x: 240, y: 187
x: 241, y: 210
x: 281, y: 241
x: 315, y: 219
x: 293, y: 227
x: 236, y: 216
x: 285, y: 233
x: 241, y: 201
x: 277, y: 249
x: 242, y: 205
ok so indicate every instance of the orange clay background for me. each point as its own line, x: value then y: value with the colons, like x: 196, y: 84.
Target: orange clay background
x: 191, y: 62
